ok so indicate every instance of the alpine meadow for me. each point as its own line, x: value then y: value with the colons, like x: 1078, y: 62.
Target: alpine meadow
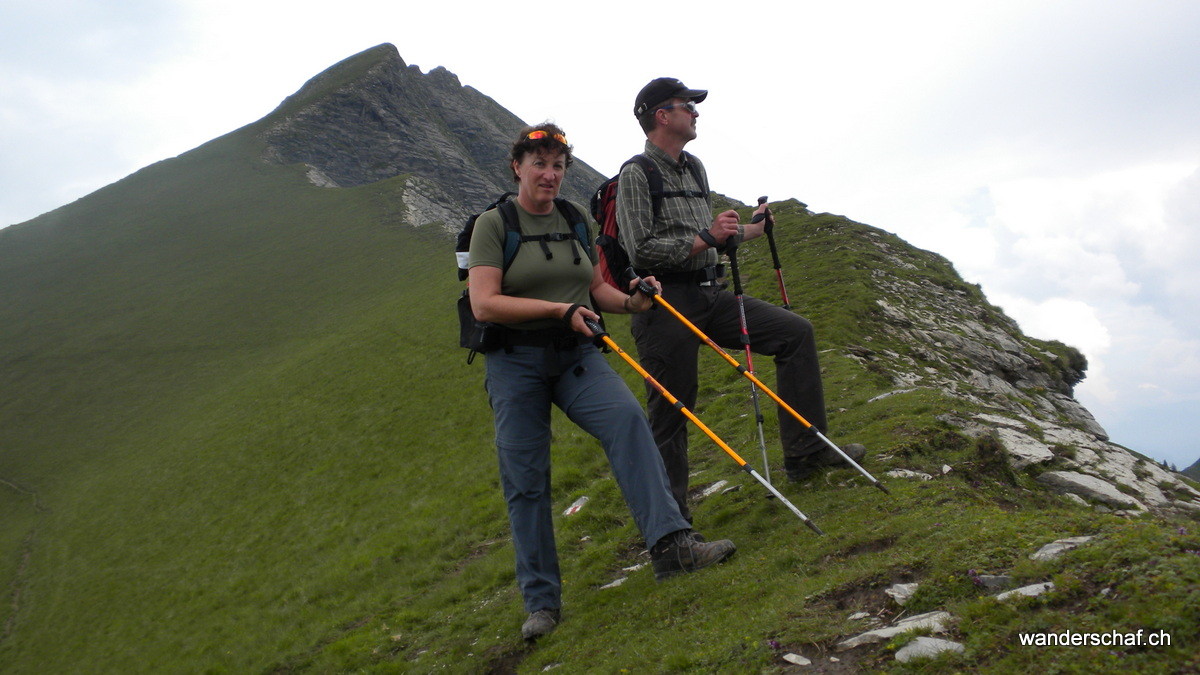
x: 237, y: 434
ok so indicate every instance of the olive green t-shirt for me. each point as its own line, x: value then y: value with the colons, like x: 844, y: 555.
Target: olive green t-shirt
x: 531, y: 275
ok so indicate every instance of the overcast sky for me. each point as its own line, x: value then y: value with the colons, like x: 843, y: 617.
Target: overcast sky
x: 1049, y: 149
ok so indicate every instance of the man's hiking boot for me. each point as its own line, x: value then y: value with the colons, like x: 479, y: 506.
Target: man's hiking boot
x: 683, y: 551
x: 802, y: 470
x: 540, y: 623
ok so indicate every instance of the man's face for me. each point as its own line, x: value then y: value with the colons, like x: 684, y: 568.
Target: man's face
x: 681, y: 117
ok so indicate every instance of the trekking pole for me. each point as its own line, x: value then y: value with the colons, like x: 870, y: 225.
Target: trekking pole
x: 731, y: 251
x: 653, y: 292
x: 769, y: 228
x: 599, y: 332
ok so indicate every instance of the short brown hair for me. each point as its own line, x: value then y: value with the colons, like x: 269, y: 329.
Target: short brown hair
x: 547, y: 143
x: 648, y: 119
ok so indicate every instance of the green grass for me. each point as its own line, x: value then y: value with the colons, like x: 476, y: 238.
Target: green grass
x: 237, y: 435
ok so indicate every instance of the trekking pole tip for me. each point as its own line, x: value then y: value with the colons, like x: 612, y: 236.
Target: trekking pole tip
x: 814, y: 527
x: 883, y: 487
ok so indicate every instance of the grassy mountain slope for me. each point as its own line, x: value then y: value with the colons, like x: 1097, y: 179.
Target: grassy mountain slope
x: 237, y: 435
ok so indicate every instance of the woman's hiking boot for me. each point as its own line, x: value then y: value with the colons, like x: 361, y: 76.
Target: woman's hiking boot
x: 540, y: 623
x: 684, y: 551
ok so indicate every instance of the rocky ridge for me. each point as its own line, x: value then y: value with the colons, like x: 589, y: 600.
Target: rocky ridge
x: 963, y: 347
x: 372, y: 117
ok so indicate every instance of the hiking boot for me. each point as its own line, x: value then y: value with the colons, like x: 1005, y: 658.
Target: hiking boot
x: 800, y: 470
x: 682, y: 551
x: 830, y: 457
x: 540, y: 623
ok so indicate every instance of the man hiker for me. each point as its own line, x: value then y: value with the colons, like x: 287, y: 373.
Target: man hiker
x: 679, y: 242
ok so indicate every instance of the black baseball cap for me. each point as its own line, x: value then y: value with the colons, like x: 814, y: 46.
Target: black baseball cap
x: 660, y: 90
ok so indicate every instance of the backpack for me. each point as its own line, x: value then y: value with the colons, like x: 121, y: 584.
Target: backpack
x: 484, y: 336
x: 512, y: 232
x: 614, y: 260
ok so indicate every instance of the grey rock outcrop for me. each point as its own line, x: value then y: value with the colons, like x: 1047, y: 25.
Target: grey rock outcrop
x: 372, y: 117
x: 1019, y: 389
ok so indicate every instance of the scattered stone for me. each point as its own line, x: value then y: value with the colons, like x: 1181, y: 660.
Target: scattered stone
x: 614, y: 584
x: 576, y: 506
x: 946, y: 469
x: 858, y: 616
x: 714, y: 488
x: 1089, y: 487
x: 902, y: 592
x: 926, y: 648
x: 796, y: 659
x: 890, y: 393
x: 1056, y: 548
x: 994, y: 582
x: 1031, y: 591
x: 934, y: 621
x: 905, y: 473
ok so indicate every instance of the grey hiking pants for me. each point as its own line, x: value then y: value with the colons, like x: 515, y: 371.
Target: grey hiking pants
x: 521, y: 386
x: 668, y: 350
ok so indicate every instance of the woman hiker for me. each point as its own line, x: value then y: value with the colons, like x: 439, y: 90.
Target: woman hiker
x: 541, y: 300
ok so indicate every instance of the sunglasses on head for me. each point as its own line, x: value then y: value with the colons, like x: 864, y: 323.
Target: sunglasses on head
x: 539, y: 134
x: 689, y: 105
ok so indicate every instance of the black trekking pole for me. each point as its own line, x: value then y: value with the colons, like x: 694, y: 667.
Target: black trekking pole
x: 769, y: 228
x: 653, y: 293
x: 731, y: 251
x: 600, y: 333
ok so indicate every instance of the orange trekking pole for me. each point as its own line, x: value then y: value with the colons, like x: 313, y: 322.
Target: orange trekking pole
x: 651, y: 291
x: 600, y: 333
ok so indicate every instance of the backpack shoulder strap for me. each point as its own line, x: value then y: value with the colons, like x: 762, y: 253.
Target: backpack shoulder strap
x: 654, y: 180
x: 576, y: 220
x: 512, y: 231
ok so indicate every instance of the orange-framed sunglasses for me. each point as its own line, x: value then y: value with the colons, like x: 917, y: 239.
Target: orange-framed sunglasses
x: 539, y: 134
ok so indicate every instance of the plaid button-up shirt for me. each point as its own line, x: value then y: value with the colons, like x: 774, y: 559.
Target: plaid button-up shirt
x: 664, y: 244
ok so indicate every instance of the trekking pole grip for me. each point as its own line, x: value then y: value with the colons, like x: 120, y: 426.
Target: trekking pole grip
x: 770, y: 224
x: 644, y: 287
x: 594, y: 326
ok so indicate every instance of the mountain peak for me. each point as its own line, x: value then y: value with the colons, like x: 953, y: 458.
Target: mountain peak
x: 371, y: 117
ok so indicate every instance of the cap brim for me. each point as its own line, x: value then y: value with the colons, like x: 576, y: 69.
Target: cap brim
x: 696, y: 95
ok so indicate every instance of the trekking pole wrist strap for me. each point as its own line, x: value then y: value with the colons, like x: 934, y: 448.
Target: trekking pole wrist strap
x: 566, y: 318
x: 709, y: 239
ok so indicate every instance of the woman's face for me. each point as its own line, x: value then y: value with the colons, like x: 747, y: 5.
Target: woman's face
x: 540, y: 174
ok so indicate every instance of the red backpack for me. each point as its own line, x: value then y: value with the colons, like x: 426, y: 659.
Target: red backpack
x: 614, y: 260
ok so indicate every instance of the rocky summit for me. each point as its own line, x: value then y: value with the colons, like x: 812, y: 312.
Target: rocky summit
x: 372, y: 117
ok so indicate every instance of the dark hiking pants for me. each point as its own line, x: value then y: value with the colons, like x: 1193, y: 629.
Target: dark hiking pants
x: 669, y: 350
